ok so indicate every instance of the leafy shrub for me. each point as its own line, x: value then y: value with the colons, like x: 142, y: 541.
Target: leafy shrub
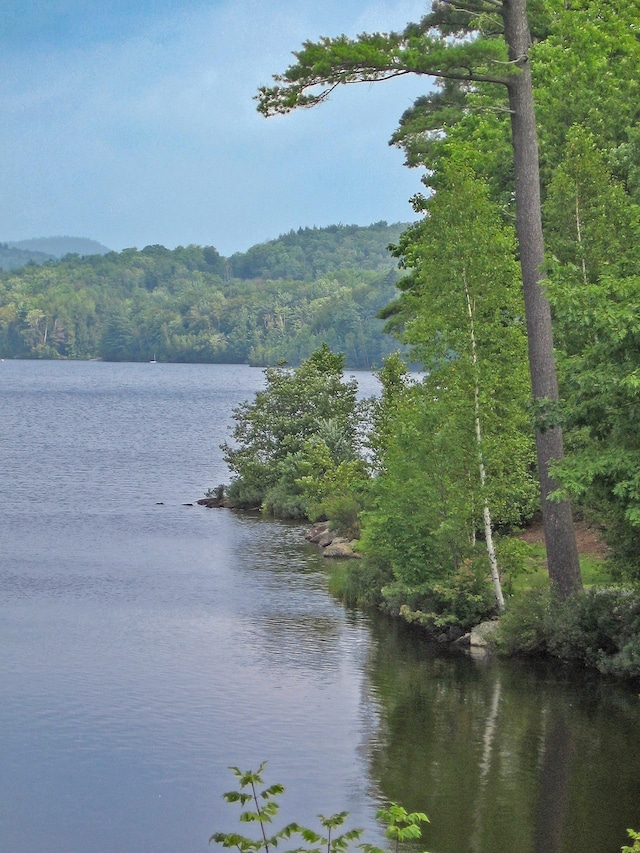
x: 467, y: 595
x: 523, y: 627
x: 244, y: 495
x: 464, y: 599
x: 282, y: 502
x: 359, y: 582
x: 344, y: 514
x: 600, y: 628
x: 305, y: 424
x: 635, y: 837
x: 610, y: 619
x: 335, y: 488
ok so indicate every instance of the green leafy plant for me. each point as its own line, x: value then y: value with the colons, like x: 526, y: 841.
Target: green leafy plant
x: 305, y: 422
x: 330, y: 843
x: 600, y: 628
x: 217, y: 493
x: 259, y: 804
x: 401, y: 826
x: 265, y: 808
x: 635, y: 837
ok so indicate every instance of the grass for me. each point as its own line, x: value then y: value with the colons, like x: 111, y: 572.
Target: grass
x: 348, y: 585
x: 534, y: 573
x: 338, y: 580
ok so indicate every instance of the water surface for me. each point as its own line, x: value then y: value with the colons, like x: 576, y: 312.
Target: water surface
x: 146, y: 645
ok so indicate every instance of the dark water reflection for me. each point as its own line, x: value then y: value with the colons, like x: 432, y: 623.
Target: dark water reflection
x: 505, y: 756
x: 146, y: 645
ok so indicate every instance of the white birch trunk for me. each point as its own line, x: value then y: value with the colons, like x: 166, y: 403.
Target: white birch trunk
x: 486, y: 512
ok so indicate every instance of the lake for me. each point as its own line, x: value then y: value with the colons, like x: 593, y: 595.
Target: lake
x: 146, y: 645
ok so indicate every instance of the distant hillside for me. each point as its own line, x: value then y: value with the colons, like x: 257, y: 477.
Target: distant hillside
x: 12, y: 257
x: 308, y: 253
x: 278, y: 301
x: 58, y: 247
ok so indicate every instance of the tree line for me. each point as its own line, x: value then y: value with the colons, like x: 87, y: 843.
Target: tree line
x: 276, y: 302
x: 521, y: 303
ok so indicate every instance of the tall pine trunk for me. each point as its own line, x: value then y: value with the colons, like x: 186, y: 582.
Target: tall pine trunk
x: 562, y: 552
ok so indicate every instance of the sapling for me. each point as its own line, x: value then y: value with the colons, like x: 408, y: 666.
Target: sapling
x: 401, y: 826
x: 635, y: 837
x: 262, y: 806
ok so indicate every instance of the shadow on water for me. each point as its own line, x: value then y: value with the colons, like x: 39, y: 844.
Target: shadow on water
x: 503, y: 756
x: 555, y: 777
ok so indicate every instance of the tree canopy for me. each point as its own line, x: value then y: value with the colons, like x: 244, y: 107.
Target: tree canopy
x: 279, y: 300
x: 474, y: 43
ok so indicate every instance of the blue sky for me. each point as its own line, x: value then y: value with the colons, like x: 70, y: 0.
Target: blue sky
x: 132, y: 122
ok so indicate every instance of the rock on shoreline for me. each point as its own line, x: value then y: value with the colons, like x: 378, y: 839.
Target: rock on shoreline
x: 331, y: 543
x: 214, y: 503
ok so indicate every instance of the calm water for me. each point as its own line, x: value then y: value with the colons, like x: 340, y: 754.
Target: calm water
x: 146, y: 645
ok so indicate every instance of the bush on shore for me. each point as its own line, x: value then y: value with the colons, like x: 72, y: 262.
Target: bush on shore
x: 599, y: 628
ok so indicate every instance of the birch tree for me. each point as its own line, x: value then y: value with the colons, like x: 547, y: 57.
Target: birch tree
x: 471, y: 42
x: 468, y: 331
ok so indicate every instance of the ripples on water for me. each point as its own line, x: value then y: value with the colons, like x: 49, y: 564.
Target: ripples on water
x: 146, y: 645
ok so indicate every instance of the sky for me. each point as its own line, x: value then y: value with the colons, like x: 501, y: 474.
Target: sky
x: 132, y: 122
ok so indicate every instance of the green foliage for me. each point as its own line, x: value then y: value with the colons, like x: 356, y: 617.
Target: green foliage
x: 635, y: 837
x: 401, y: 826
x: 281, y: 501
x: 456, y: 446
x: 360, y: 582
x: 467, y: 329
x: 418, y: 520
x: 386, y: 409
x: 262, y: 807
x: 280, y: 300
x: 463, y: 600
x: 603, y: 630
x: 343, y: 511
x: 600, y: 628
x: 305, y: 425
x: 467, y: 596
x: 590, y: 49
x: 334, y: 490
x: 514, y: 558
x: 523, y: 627
x: 312, y: 253
x: 588, y: 214
x: 425, y: 48
x: 594, y: 288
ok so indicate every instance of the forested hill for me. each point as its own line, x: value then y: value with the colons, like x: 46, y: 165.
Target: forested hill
x: 58, y: 247
x: 278, y: 301
x: 308, y: 253
x: 12, y: 256
x: 37, y: 251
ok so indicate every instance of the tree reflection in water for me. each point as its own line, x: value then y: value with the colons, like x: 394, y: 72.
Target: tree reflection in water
x: 503, y: 756
x: 555, y: 775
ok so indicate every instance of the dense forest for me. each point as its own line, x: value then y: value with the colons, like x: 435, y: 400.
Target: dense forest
x: 276, y: 302
x: 521, y: 301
